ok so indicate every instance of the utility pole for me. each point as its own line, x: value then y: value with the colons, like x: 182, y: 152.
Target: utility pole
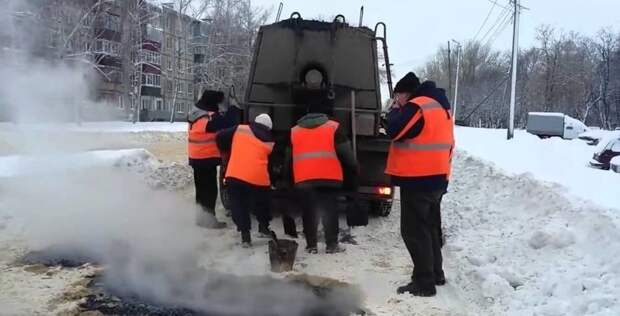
x: 515, y: 55
x: 456, y: 84
x: 449, y: 71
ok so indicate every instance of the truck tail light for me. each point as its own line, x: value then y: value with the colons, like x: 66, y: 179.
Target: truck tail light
x: 384, y: 190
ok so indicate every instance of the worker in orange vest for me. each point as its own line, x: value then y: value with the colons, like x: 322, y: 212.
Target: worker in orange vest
x: 321, y: 157
x: 204, y: 157
x: 419, y: 162
x: 247, y: 174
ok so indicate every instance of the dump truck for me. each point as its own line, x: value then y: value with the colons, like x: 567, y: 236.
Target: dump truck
x: 295, y: 56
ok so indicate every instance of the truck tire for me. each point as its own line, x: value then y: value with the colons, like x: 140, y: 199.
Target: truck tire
x: 224, y: 196
x: 380, y: 208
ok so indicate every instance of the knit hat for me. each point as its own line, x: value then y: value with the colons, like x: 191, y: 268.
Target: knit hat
x: 210, y: 100
x: 264, y: 119
x: 408, y: 84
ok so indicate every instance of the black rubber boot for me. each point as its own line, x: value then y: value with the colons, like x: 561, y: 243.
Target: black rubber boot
x: 335, y: 248
x: 312, y: 249
x: 246, y: 239
x: 415, y: 290
x: 264, y: 231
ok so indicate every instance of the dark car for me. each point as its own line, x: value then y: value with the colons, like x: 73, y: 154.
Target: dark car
x: 615, y: 164
x: 602, y: 158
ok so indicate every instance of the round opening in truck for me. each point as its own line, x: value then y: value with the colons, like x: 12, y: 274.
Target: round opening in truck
x: 313, y: 78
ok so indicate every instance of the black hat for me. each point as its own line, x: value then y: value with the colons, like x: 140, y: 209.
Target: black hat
x: 210, y: 100
x: 409, y: 83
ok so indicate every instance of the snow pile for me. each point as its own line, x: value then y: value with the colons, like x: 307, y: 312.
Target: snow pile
x: 552, y: 160
x: 519, y: 247
x: 157, y: 174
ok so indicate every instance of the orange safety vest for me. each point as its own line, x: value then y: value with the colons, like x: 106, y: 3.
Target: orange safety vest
x: 249, y: 157
x: 429, y: 153
x: 314, y: 153
x: 200, y: 143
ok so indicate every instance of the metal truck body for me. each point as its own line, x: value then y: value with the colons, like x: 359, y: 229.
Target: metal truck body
x: 294, y: 56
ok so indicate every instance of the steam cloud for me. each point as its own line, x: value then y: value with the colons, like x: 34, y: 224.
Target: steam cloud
x: 146, y: 239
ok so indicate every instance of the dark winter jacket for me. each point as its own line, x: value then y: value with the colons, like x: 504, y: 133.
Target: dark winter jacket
x: 397, y: 121
x: 344, y: 151
x: 217, y: 123
x: 224, y: 140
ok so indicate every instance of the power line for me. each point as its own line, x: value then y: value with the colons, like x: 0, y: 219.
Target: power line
x: 499, y: 30
x: 485, y: 21
x: 500, y: 18
x: 486, y: 98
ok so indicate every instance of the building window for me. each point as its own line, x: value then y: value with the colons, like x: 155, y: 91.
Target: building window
x: 190, y: 89
x: 151, y: 57
x: 169, y: 62
x: 179, y: 107
x: 179, y: 87
x: 160, y: 104
x: 106, y: 47
x: 146, y: 103
x: 152, y: 80
x: 112, y: 22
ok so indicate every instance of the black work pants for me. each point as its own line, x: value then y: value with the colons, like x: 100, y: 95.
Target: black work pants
x: 321, y: 203
x: 205, y: 180
x: 420, y: 227
x: 246, y: 199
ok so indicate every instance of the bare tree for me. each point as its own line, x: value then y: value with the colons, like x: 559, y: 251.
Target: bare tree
x: 565, y: 72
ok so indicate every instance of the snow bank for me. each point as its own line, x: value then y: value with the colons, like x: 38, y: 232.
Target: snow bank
x: 554, y: 160
x: 102, y: 127
x: 516, y: 246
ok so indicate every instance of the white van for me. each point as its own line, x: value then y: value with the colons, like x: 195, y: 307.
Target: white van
x: 548, y: 124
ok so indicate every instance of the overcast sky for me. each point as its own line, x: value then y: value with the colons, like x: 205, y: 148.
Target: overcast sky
x: 417, y: 28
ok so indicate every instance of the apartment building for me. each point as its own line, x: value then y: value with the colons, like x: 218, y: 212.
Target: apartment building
x: 143, y: 53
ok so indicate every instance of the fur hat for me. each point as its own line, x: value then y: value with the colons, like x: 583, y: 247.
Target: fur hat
x: 210, y: 100
x: 408, y: 84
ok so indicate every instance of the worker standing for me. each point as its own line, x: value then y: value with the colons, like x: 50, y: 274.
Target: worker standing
x: 419, y: 162
x: 204, y: 156
x: 320, y: 151
x: 247, y: 174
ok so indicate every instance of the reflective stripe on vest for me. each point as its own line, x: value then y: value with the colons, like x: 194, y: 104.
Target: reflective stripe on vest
x: 428, y: 154
x: 249, y: 158
x: 200, y: 143
x: 314, y: 153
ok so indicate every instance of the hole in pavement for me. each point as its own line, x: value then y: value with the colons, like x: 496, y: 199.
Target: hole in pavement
x: 331, y: 299
x: 110, y: 296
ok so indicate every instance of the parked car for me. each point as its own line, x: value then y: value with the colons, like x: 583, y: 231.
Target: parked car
x: 602, y: 159
x: 591, y: 137
x: 547, y: 124
x: 614, y: 164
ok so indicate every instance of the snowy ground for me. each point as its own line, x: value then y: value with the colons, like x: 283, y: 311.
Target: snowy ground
x: 553, y: 160
x: 523, y: 238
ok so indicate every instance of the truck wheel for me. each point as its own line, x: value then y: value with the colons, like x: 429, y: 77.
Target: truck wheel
x: 380, y: 208
x: 224, y: 196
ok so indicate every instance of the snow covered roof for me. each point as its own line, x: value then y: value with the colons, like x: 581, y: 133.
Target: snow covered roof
x: 555, y: 114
